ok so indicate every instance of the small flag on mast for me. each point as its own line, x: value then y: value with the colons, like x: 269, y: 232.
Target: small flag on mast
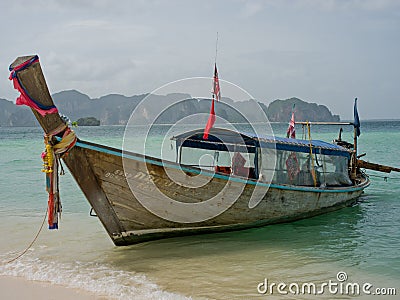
x: 291, y: 132
x: 216, y: 94
x: 357, y: 123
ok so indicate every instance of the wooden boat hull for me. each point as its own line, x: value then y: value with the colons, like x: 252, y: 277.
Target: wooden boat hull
x: 104, y: 177
x: 127, y: 221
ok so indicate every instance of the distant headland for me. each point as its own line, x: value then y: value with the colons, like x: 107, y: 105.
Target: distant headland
x: 115, y: 109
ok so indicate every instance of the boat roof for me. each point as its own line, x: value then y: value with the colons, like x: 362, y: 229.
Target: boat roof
x: 228, y: 140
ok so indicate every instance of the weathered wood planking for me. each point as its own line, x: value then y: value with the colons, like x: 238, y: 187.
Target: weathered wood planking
x: 275, y: 205
x: 103, y: 177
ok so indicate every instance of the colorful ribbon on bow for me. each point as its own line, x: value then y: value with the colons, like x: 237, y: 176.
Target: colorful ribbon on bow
x: 24, y: 98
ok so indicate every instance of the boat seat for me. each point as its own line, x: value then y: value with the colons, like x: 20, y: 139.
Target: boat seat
x: 223, y: 170
x: 238, y: 162
x: 247, y: 172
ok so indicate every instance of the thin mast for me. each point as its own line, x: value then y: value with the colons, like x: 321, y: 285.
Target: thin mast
x: 216, y: 49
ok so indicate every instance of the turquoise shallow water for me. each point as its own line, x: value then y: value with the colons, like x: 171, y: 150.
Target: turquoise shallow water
x: 363, y: 240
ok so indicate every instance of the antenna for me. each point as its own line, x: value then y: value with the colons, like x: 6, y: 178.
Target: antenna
x: 216, y: 49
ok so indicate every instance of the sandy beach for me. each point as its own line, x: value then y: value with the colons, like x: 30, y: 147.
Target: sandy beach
x: 20, y: 288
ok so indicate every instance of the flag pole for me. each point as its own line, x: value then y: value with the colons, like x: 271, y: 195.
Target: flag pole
x: 355, y: 126
x: 215, y: 61
x: 216, y: 49
x: 215, y: 64
x: 215, y: 95
x: 356, y: 134
x: 291, y: 132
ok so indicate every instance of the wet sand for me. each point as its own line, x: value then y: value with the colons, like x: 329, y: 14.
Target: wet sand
x: 20, y: 288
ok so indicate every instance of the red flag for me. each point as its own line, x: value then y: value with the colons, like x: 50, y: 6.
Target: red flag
x: 210, y: 122
x: 291, y: 132
x: 217, y: 96
x: 216, y: 89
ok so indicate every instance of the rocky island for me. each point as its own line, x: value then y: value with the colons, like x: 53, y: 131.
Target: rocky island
x: 88, y: 121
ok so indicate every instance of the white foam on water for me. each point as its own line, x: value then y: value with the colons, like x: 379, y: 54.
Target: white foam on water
x: 92, y: 277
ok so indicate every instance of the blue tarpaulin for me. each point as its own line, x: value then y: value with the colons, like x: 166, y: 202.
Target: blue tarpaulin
x: 228, y: 140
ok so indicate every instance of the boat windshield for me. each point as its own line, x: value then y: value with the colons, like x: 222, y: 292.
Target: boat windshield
x: 295, y: 168
x: 228, y: 163
x: 268, y: 159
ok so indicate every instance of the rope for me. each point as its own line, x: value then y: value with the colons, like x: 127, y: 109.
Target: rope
x: 51, y: 163
x: 385, y: 178
x: 311, y: 156
x: 66, y: 143
x: 33, y: 241
x: 60, y: 128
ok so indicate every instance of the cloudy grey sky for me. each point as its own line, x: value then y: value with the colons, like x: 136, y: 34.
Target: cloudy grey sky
x: 326, y: 51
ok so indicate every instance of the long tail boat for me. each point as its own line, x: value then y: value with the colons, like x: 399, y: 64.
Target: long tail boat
x: 251, y: 181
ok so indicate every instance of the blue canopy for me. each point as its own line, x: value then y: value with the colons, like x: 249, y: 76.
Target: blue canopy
x: 228, y: 140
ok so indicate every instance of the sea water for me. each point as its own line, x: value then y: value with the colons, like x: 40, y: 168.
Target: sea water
x: 361, y: 242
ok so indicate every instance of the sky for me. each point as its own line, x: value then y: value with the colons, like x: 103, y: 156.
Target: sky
x: 327, y: 51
